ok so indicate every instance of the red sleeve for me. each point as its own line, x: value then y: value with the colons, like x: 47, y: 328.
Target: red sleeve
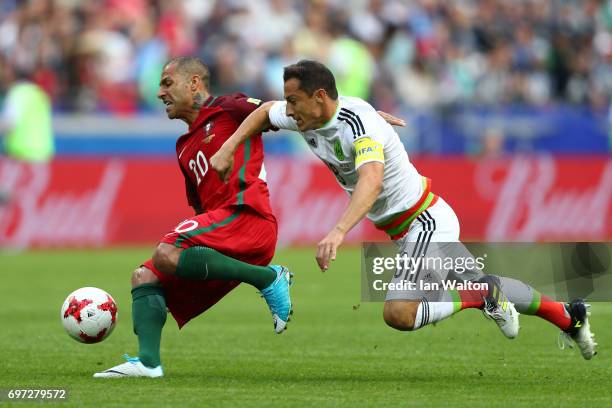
x: 239, y: 106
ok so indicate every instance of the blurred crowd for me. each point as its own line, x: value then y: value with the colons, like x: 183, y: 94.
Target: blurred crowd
x: 106, y: 55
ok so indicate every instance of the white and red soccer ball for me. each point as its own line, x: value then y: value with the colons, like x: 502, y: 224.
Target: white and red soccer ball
x: 89, y: 315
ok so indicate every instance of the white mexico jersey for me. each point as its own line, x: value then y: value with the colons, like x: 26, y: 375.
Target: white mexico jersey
x: 356, y: 135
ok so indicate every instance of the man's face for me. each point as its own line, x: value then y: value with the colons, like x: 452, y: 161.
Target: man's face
x: 175, y: 93
x: 305, y: 109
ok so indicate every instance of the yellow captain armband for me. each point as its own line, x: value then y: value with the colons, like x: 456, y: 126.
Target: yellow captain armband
x: 367, y: 150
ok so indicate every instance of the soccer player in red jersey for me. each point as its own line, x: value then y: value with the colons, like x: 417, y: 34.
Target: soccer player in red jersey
x: 232, y: 237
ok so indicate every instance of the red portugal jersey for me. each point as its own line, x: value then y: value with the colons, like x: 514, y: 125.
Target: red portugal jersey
x: 218, y: 119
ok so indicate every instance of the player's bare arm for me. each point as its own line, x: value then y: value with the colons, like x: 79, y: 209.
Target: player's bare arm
x: 223, y: 161
x: 392, y: 120
x: 258, y: 121
x: 366, y: 190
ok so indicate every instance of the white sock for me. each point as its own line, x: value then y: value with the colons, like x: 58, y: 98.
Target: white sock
x: 432, y: 312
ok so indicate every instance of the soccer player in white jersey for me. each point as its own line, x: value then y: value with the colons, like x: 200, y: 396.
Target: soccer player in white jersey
x: 370, y: 163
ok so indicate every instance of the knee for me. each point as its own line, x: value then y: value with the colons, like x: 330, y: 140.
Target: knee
x: 165, y: 258
x: 400, y: 315
x: 142, y: 275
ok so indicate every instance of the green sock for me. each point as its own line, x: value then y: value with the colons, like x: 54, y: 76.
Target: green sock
x: 149, y: 316
x: 205, y: 263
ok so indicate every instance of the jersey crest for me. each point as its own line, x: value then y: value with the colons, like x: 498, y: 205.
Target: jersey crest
x: 207, y: 135
x: 338, y: 150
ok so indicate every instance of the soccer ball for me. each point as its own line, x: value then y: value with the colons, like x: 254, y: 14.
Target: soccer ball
x: 89, y: 315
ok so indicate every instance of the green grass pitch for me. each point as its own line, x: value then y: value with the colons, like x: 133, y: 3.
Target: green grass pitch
x: 336, y: 352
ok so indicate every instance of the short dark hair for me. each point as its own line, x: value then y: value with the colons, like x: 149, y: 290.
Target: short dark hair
x: 312, y: 76
x: 191, y: 66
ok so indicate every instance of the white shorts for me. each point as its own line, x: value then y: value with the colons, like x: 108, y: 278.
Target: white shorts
x: 438, y: 223
x: 434, y: 233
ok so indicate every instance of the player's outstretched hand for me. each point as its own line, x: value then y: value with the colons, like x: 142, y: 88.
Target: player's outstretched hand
x: 326, y: 249
x: 392, y: 120
x: 223, y: 163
